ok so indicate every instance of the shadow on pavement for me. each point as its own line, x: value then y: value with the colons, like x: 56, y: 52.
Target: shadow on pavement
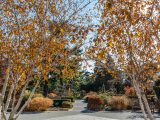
x: 88, y: 111
x: 32, y: 112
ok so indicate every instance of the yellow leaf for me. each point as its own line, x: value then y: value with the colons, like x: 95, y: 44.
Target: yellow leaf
x: 62, y: 30
x: 100, y: 55
x: 26, y: 35
x: 110, y: 44
x: 73, y: 41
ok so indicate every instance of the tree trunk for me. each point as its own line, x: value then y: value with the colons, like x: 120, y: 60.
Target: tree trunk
x: 30, y: 97
x: 21, y: 96
x: 5, y: 83
x: 9, y: 97
x: 2, y: 113
x: 45, y: 89
x: 13, y: 115
x: 150, y: 116
x: 138, y: 92
x: 1, y: 106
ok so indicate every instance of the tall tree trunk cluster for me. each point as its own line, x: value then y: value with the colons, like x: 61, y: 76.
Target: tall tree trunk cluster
x: 7, y: 98
x: 142, y: 99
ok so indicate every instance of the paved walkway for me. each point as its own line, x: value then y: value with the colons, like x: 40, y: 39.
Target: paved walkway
x: 81, y: 117
x: 79, y: 105
x: 79, y: 112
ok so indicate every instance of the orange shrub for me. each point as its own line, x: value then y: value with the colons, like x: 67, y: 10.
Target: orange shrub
x: 52, y: 95
x: 95, y: 103
x: 119, y: 102
x: 88, y: 95
x: 92, y: 93
x: 129, y: 91
x: 39, y: 104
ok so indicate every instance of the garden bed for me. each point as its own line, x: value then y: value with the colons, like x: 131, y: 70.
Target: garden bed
x: 58, y: 102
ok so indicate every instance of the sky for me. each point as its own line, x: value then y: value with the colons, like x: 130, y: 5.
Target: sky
x: 89, y: 64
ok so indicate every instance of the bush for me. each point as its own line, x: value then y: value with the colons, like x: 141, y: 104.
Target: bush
x: 157, y: 91
x: 119, y: 103
x: 52, y: 95
x: 67, y: 104
x: 58, y: 102
x: 95, y: 103
x: 129, y: 91
x: 37, y: 95
x: 27, y: 94
x: 88, y: 95
x: 77, y: 95
x: 39, y: 104
x: 157, y: 105
x: 68, y: 97
x: 91, y: 93
x: 105, y: 97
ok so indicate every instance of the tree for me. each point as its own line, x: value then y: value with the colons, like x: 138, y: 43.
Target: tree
x: 29, y: 46
x: 103, y: 73
x: 129, y: 30
x: 64, y: 79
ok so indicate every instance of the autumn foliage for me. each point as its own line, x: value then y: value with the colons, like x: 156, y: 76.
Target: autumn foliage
x: 129, y: 31
x: 35, y: 39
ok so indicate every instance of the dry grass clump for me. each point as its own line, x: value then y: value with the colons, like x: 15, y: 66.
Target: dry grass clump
x: 95, y: 103
x: 39, y: 104
x: 119, y: 102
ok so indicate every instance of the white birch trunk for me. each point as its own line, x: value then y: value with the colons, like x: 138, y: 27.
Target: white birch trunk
x: 2, y: 113
x: 0, y: 106
x: 14, y: 115
x: 138, y: 92
x: 5, y: 84
x: 21, y: 97
x: 9, y: 97
x: 150, y: 116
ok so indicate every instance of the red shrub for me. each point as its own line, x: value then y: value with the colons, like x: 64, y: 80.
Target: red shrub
x: 95, y: 103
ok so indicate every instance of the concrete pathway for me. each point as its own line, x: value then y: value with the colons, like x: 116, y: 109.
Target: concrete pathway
x: 79, y: 112
x: 81, y: 117
x: 79, y: 105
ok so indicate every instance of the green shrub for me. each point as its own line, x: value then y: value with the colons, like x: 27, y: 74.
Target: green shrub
x: 67, y: 104
x: 68, y: 97
x: 39, y: 104
x: 95, y: 103
x: 119, y: 102
x: 77, y: 95
x: 106, y: 97
x: 27, y: 94
x: 58, y: 102
x: 157, y: 91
